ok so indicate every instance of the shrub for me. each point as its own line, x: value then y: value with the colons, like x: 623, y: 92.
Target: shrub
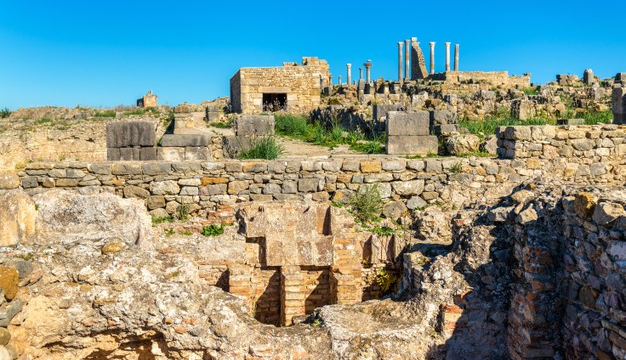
x: 388, y: 282
x: 291, y: 125
x: 598, y: 117
x: 5, y: 113
x: 489, y: 125
x: 366, y: 205
x: 213, y: 230
x: 183, y: 212
x: 263, y: 148
x: 160, y: 220
x: 383, y: 230
x: 43, y: 121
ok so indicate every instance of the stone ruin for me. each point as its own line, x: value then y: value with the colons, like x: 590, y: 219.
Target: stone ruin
x: 147, y: 101
x: 293, y: 87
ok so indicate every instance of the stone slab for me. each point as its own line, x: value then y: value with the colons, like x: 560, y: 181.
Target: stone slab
x: 197, y: 153
x: 380, y: 111
x: 113, y: 154
x: 412, y: 145
x: 182, y: 140
x: 147, y: 153
x: 171, y: 153
x: 130, y: 133
x: 400, y: 123
x: 254, y: 125
x: 446, y: 129
x: 570, y: 122
x: 440, y: 117
x: 233, y: 145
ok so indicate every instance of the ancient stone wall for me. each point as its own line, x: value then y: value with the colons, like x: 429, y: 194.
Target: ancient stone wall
x: 413, y: 183
x: 302, y: 85
x: 495, y: 78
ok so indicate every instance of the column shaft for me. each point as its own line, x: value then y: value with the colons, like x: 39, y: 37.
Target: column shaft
x: 399, y: 60
x: 349, y: 74
x: 406, y: 59
x: 432, y: 57
x: 456, y: 57
x: 447, y: 56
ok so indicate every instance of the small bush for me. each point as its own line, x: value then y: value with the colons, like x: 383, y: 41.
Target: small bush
x: 183, y: 212
x: 598, y: 117
x: 135, y: 112
x: 213, y: 230
x: 488, y: 126
x: 383, y: 230
x: 531, y: 90
x: 366, y: 205
x: 5, y: 113
x: 388, y: 282
x: 263, y: 148
x: 169, y: 232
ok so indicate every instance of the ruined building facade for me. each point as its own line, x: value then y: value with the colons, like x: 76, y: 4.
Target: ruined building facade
x: 293, y: 87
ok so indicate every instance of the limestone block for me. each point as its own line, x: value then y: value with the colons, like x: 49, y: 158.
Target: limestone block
x: 131, y: 133
x: 381, y: 111
x: 8, y: 180
x: 570, y: 122
x: 182, y: 140
x: 17, y: 217
x: 408, y: 123
x: 197, y: 153
x: 411, y: 145
x: 171, y: 153
x: 113, y: 154
x: 251, y: 125
x: 440, y: 117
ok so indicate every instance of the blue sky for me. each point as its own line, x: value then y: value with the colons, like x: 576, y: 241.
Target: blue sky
x: 108, y: 53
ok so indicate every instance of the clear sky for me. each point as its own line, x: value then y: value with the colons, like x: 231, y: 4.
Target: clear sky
x: 108, y: 53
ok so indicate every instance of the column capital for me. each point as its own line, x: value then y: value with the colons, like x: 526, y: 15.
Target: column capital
x: 432, y: 43
x: 447, y: 43
x: 400, y: 43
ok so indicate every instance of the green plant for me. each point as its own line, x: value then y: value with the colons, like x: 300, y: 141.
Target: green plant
x: 367, y: 204
x: 263, y: 148
x: 456, y: 168
x: 598, y: 117
x: 135, y: 112
x: 160, y: 220
x: 317, y: 323
x: 383, y: 230
x: 183, y: 212
x: 169, y: 232
x: 369, y: 147
x: 175, y: 273
x: 36, y: 207
x: 5, y: 113
x: 489, y: 125
x: 213, y: 230
x: 43, y: 121
x: 386, y: 280
x: 105, y: 113
x: 337, y: 204
x: 531, y: 90
x: 186, y: 233
x: 291, y: 125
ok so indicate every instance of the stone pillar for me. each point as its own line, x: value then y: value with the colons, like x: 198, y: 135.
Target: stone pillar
x: 368, y: 65
x: 432, y: 57
x: 447, y: 55
x: 292, y: 294
x: 406, y: 59
x: 339, y: 80
x: 399, y: 60
x: 588, y: 78
x: 349, y: 73
x: 456, y: 57
x: 360, y: 74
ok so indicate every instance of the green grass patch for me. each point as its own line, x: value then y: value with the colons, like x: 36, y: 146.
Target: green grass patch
x: 135, y: 112
x: 488, y: 126
x: 383, y: 230
x: 598, y: 117
x: 301, y: 128
x: 105, y: 114
x: 43, y: 121
x: 531, y: 90
x: 366, y: 205
x: 263, y: 148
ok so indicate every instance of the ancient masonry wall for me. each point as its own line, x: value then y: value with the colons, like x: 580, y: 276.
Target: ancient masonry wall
x: 496, y: 78
x: 568, y: 298
x: 588, y: 154
x: 301, y: 83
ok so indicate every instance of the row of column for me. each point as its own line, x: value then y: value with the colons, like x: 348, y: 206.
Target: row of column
x: 367, y: 65
x: 432, y: 58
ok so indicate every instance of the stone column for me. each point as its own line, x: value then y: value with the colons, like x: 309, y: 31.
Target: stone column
x: 330, y: 80
x: 432, y: 57
x: 399, y: 60
x: 406, y: 59
x: 368, y: 65
x: 360, y: 73
x: 339, y: 80
x: 456, y: 57
x: 447, y: 55
x: 349, y: 74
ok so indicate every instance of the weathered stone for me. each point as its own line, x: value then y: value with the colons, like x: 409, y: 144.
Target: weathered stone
x: 184, y: 140
x: 213, y: 180
x: 412, y: 145
x: 584, y: 204
x: 8, y: 312
x: 113, y: 247
x: 5, y: 336
x: 460, y: 144
x: 155, y: 202
x: 8, y: 180
x: 527, y: 216
x: 408, y: 123
x: 136, y: 191
x: 394, y: 210
x: 606, y: 212
x: 235, y: 187
x: 415, y: 202
x: 308, y: 185
x: 167, y: 187
x: 9, y: 278
x: 130, y: 133
x: 18, y: 215
x: 372, y: 166
x: 408, y: 188
x: 254, y: 125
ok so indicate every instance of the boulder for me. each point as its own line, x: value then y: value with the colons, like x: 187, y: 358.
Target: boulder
x: 462, y: 144
x: 490, y: 145
x: 68, y: 218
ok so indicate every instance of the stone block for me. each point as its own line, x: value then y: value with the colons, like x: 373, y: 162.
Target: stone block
x: 408, y: 123
x: 113, y: 154
x: 197, y: 153
x: 130, y: 133
x: 570, y: 122
x: 620, y: 77
x: 147, y: 153
x: 233, y: 145
x: 171, y: 153
x: 380, y: 111
x: 446, y: 129
x: 411, y: 145
x: 251, y: 125
x: 127, y: 154
x: 440, y: 117
x: 184, y: 140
